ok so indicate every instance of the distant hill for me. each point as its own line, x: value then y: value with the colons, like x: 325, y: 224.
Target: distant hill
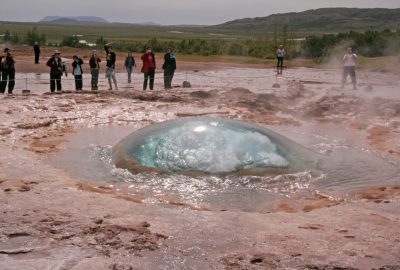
x: 319, y: 20
x: 148, y: 23
x: 73, y: 20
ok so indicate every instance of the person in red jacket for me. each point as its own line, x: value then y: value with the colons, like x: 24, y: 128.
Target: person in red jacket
x: 149, y: 67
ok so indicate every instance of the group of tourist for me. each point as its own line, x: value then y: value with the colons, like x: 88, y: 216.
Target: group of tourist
x: 58, y: 68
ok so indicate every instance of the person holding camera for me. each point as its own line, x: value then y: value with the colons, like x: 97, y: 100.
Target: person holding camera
x: 148, y: 68
x: 110, y: 71
x: 94, y: 63
x: 77, y: 71
x: 57, y: 68
x: 7, y: 63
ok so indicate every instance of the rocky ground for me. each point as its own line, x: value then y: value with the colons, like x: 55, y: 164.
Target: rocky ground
x: 49, y: 220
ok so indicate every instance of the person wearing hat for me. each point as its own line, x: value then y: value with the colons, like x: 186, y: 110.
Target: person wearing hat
x: 77, y: 71
x: 169, y: 67
x: 57, y: 68
x: 36, y: 50
x: 94, y: 63
x: 7, y: 63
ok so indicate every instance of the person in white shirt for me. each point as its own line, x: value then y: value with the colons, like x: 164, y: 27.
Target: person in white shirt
x: 280, y: 54
x: 349, y: 68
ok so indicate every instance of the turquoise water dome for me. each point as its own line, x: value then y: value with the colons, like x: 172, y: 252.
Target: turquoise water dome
x: 211, y: 146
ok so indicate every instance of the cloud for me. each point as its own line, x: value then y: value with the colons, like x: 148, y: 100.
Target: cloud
x: 171, y: 11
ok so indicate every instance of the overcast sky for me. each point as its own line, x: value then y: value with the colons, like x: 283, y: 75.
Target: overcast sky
x: 170, y: 11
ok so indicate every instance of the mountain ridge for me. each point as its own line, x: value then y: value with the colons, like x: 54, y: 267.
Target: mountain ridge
x: 325, y: 19
x: 73, y: 19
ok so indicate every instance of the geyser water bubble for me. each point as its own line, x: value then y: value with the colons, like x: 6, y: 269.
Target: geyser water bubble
x: 208, y: 145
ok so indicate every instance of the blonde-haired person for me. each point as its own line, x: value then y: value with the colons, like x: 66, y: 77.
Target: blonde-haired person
x: 94, y: 64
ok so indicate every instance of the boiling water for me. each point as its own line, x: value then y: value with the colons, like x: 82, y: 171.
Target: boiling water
x: 344, y: 164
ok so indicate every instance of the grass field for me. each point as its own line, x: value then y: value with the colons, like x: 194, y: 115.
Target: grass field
x: 114, y: 32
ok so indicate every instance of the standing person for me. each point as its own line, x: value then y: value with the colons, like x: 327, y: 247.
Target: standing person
x: 36, y: 50
x: 280, y: 54
x: 169, y: 67
x: 57, y: 68
x: 77, y: 72
x: 129, y: 64
x: 349, y: 68
x: 7, y: 63
x: 94, y: 64
x: 148, y: 68
x: 110, y: 71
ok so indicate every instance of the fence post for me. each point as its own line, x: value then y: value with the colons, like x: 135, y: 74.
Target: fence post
x: 26, y: 90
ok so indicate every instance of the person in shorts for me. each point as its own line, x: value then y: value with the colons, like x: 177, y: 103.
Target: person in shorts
x: 110, y: 66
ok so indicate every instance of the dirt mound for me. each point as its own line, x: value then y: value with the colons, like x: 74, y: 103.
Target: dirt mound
x: 251, y: 260
x: 201, y: 94
x: 239, y: 91
x: 333, y: 105
x: 116, y: 238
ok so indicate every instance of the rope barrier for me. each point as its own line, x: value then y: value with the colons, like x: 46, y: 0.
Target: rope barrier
x: 135, y: 77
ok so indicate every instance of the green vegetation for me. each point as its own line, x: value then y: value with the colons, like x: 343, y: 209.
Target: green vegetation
x: 257, y: 37
x: 369, y: 44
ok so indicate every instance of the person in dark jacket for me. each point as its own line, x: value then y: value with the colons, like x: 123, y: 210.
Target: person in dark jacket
x: 7, y: 63
x: 77, y: 72
x: 110, y: 71
x: 36, y: 50
x: 129, y: 64
x: 148, y: 68
x: 57, y: 68
x: 169, y: 67
x: 94, y: 64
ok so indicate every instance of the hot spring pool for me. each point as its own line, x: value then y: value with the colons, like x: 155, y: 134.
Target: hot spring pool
x: 210, y: 146
x: 217, y: 174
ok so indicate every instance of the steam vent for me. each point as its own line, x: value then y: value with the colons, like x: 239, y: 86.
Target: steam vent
x: 211, y: 146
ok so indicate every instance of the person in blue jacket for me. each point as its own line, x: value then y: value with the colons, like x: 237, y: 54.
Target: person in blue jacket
x: 129, y: 64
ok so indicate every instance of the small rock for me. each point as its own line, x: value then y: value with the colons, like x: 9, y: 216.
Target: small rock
x: 98, y: 221
x: 186, y: 84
